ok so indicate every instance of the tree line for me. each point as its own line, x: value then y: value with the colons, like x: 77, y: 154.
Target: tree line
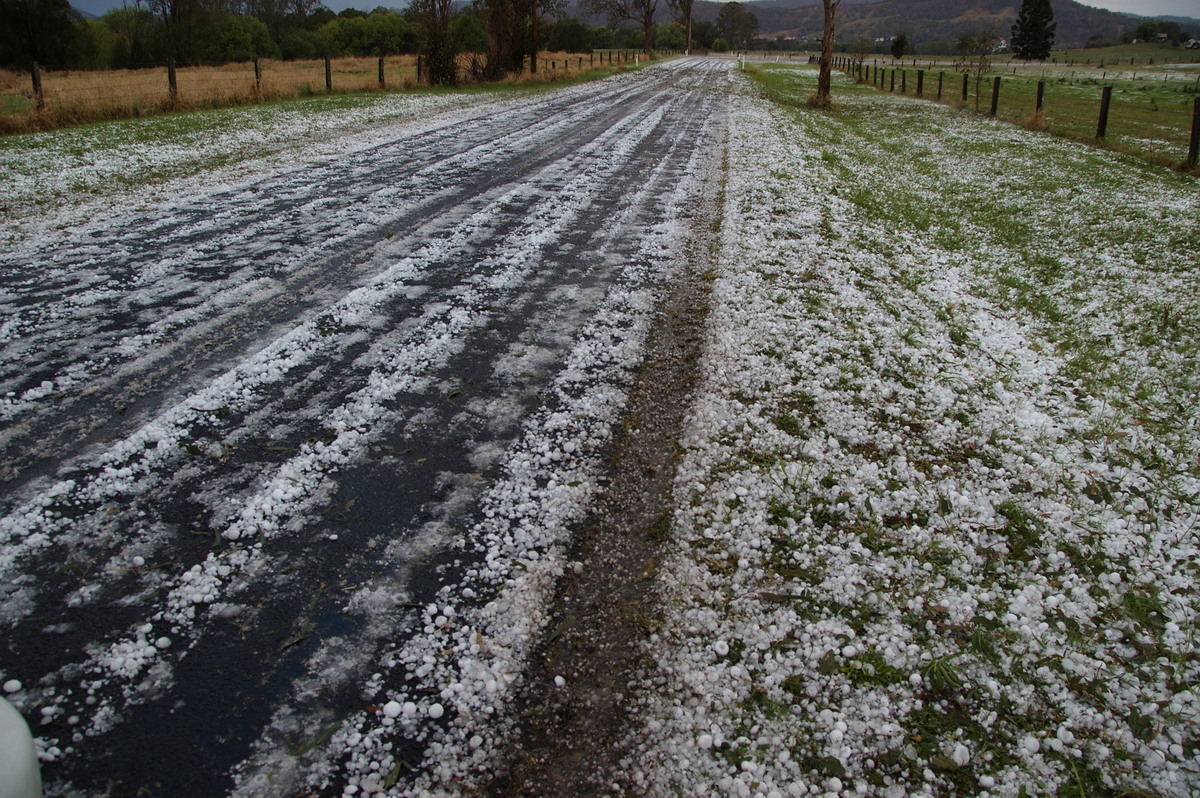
x: 505, y: 34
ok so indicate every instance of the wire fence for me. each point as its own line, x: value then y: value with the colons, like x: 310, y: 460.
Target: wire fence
x: 1150, y: 108
x: 45, y: 98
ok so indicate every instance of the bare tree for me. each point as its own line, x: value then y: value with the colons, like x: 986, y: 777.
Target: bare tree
x: 639, y: 11
x: 862, y: 48
x: 976, y: 52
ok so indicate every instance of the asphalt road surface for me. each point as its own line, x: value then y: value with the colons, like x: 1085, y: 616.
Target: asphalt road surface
x: 259, y: 450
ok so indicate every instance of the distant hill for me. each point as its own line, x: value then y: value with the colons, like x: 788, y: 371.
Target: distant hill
x: 930, y: 20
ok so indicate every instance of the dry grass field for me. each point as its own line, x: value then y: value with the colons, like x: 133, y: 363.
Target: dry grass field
x: 79, y: 97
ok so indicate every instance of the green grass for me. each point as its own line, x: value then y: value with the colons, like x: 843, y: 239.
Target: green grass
x: 1122, y: 53
x: 1150, y: 114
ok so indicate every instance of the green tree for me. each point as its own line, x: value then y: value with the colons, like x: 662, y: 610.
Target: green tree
x: 684, y: 9
x: 469, y: 31
x: 704, y: 33
x: 136, y: 32
x: 1147, y: 31
x: 386, y: 33
x: 899, y: 45
x: 437, y: 45
x: 378, y: 33
x: 569, y: 35
x: 95, y: 44
x: 508, y: 37
x: 36, y: 30
x: 719, y: 45
x: 241, y: 39
x: 1175, y: 34
x: 304, y: 45
x: 737, y: 24
x: 1033, y: 32
x: 672, y: 36
x: 602, y: 38
x: 188, y: 26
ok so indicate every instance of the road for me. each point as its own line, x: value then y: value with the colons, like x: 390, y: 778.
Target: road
x: 288, y: 470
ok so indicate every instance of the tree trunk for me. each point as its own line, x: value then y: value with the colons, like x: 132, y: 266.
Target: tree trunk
x: 824, y: 76
x: 533, y: 33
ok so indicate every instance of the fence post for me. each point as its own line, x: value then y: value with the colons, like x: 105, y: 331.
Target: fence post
x: 172, y: 85
x: 1041, y: 95
x: 903, y: 82
x: 941, y: 75
x: 1105, y: 101
x: 1194, y: 146
x: 920, y: 82
x: 328, y: 75
x: 35, y: 72
x: 257, y: 76
x: 893, y: 87
x: 418, y: 69
x: 381, y: 84
x: 965, y: 78
x: 995, y: 95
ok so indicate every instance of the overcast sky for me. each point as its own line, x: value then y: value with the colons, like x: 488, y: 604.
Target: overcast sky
x: 1150, y: 8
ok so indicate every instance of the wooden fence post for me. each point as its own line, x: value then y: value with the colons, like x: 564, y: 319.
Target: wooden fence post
x: 418, y: 69
x: 995, y: 96
x: 1041, y: 95
x: 1105, y: 102
x: 328, y: 75
x: 941, y: 75
x: 903, y: 82
x: 257, y: 76
x: 171, y: 84
x: 381, y: 83
x: 920, y: 82
x: 1194, y: 145
x: 35, y: 73
x: 893, y: 88
x: 964, y: 92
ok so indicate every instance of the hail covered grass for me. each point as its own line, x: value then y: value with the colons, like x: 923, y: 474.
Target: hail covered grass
x: 936, y: 522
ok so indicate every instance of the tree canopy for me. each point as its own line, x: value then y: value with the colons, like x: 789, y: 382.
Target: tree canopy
x: 505, y: 35
x: 1033, y: 32
x: 737, y: 25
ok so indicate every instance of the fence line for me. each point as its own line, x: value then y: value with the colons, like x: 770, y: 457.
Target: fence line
x: 41, y: 97
x: 873, y: 74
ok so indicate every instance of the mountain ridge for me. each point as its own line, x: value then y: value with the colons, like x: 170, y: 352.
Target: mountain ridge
x: 931, y: 20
